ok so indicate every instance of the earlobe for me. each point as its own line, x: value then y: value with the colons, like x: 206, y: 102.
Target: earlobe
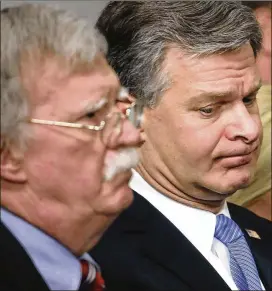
x: 12, y: 165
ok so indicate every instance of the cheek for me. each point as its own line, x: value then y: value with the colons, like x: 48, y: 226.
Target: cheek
x: 197, y: 144
x: 184, y: 140
x: 55, y: 165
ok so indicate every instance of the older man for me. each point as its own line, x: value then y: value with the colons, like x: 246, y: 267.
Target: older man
x: 193, y: 65
x: 66, y: 150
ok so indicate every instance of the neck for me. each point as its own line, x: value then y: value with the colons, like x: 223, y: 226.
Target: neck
x: 77, y: 228
x: 169, y: 188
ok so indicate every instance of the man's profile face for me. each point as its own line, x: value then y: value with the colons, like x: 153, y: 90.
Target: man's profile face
x: 208, y: 122
x: 68, y: 164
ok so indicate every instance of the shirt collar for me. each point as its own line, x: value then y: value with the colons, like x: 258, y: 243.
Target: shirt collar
x: 200, y: 230
x: 58, y: 266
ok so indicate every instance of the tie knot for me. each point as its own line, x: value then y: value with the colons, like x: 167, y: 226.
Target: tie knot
x: 226, y: 230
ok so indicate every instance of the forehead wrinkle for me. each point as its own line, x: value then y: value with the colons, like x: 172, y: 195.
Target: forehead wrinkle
x: 255, y: 86
x: 204, y: 95
x: 208, y: 97
x: 212, y: 96
x: 42, y: 75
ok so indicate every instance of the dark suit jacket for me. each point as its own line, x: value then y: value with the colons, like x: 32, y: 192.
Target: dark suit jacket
x: 18, y: 273
x: 144, y: 251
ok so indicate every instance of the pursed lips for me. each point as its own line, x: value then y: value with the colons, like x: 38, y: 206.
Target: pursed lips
x: 239, y: 154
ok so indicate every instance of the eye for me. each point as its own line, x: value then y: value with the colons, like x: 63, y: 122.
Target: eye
x: 90, y: 114
x: 250, y: 100
x: 206, y: 111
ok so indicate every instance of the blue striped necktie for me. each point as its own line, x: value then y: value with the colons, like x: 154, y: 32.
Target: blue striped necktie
x: 242, y: 265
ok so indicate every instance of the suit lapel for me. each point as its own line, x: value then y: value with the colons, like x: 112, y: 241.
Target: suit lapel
x: 262, y: 254
x: 260, y: 248
x: 167, y: 246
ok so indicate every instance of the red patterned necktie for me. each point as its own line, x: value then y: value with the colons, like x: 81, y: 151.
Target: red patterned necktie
x: 98, y: 283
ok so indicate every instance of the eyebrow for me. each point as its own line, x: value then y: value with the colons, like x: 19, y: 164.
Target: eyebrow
x: 93, y: 106
x: 216, y: 95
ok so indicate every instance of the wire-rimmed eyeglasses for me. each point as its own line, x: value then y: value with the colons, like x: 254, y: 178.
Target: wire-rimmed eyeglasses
x: 133, y: 113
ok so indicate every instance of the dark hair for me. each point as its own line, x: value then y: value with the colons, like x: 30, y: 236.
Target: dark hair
x: 140, y: 32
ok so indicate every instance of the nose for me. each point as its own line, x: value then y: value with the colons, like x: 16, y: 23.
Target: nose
x: 122, y: 133
x: 129, y: 136
x: 246, y: 126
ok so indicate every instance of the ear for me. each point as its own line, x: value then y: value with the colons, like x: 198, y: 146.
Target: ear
x: 12, y: 165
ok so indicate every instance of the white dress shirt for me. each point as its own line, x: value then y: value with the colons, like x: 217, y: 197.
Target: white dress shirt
x: 59, y: 268
x: 200, y: 230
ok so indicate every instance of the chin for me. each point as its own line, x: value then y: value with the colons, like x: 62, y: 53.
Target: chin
x: 125, y: 198
x: 232, y: 181
x: 118, y: 201
x: 237, y: 184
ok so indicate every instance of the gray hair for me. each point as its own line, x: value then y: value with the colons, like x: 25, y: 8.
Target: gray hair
x: 37, y: 31
x: 139, y: 33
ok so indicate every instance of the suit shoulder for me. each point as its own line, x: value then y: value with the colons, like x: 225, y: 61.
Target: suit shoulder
x: 126, y: 231
x: 28, y: 278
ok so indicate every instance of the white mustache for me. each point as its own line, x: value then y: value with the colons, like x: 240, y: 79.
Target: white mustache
x: 125, y: 159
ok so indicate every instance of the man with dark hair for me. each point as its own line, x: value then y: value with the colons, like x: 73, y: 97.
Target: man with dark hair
x: 193, y: 65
